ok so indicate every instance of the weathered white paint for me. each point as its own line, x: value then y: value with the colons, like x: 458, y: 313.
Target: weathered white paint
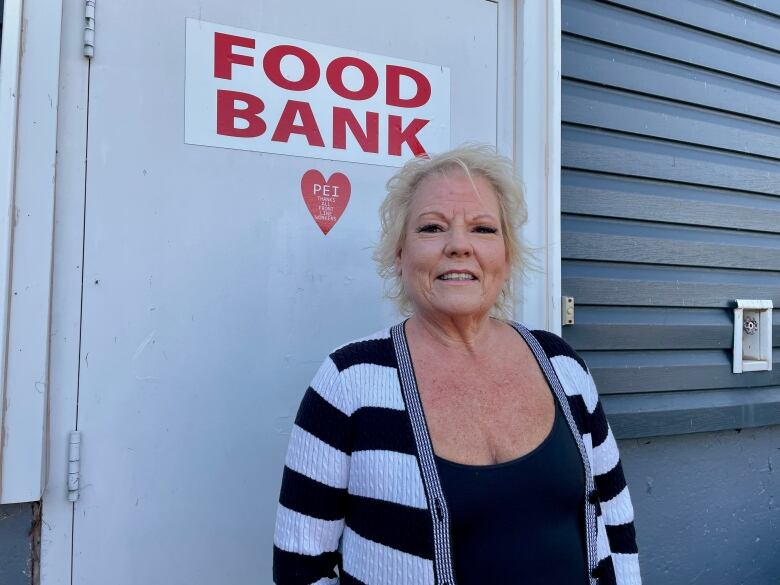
x: 538, y: 153
x: 29, y: 82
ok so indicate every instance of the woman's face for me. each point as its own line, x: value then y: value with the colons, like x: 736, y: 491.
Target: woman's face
x: 453, y: 259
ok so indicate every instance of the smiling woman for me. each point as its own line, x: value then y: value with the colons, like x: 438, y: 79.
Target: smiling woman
x: 470, y: 165
x: 453, y: 259
x: 456, y: 446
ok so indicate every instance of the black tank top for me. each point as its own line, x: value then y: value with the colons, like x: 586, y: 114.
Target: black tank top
x: 520, y: 522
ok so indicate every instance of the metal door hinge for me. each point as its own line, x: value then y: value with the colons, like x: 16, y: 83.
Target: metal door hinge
x: 74, y: 465
x: 567, y: 311
x: 89, y: 28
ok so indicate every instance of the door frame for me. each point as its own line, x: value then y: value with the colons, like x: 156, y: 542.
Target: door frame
x: 525, y: 27
x: 537, y: 149
x: 29, y: 82
x: 71, y: 142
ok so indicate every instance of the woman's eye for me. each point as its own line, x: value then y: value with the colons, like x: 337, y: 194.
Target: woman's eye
x: 484, y: 229
x: 430, y: 228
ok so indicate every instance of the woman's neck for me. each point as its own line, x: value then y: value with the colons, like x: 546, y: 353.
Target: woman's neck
x: 470, y: 334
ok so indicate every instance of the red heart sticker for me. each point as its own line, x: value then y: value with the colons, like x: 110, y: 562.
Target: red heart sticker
x: 326, y: 200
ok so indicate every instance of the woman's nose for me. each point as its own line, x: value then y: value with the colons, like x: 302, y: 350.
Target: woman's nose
x: 458, y: 243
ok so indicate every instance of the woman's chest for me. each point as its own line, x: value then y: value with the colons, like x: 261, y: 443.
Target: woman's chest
x: 485, y: 413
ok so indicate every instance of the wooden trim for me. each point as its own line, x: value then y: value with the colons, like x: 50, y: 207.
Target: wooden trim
x: 27, y: 308
x: 9, y: 103
x: 538, y: 156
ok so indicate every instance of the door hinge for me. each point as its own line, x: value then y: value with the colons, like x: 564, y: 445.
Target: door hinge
x: 74, y: 465
x: 89, y: 28
x: 567, y: 311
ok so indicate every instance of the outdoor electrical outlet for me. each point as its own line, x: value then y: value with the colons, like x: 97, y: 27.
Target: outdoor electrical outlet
x: 752, y: 336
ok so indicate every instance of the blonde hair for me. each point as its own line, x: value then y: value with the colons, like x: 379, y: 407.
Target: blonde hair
x: 472, y: 160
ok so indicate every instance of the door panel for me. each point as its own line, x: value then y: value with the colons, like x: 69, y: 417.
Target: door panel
x: 210, y: 294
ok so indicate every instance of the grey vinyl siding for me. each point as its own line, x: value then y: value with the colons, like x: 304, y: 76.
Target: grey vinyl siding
x: 670, y: 200
x: 17, y: 525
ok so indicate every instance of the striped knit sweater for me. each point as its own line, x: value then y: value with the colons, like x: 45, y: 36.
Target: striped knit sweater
x: 361, y: 501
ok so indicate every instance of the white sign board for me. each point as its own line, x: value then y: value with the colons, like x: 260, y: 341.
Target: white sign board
x: 255, y: 91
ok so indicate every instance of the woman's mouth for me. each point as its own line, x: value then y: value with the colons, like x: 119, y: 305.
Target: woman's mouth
x: 457, y: 276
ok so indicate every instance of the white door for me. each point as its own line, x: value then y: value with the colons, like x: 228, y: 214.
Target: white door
x: 211, y: 294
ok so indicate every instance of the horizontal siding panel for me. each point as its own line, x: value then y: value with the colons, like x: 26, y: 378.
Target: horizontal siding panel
x: 619, y: 197
x: 670, y: 210
x: 626, y: 372
x: 620, y: 241
x: 592, y: 61
x: 611, y: 109
x: 643, y: 292
x: 724, y: 18
x: 675, y: 413
x: 624, y: 328
x: 768, y: 6
x: 603, y: 151
x: 601, y: 283
x: 633, y: 30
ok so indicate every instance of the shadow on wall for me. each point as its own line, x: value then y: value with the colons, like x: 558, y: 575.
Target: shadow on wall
x: 707, y: 507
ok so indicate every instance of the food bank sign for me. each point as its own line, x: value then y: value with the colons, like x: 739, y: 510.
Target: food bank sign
x: 255, y: 91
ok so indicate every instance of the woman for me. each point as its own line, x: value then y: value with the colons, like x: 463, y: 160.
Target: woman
x: 455, y: 447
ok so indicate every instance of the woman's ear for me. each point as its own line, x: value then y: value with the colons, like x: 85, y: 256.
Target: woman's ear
x: 397, y: 261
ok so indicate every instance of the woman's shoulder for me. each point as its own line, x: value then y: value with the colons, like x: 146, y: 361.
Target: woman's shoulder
x: 570, y: 368
x: 335, y: 378
x: 376, y: 348
x: 554, y: 346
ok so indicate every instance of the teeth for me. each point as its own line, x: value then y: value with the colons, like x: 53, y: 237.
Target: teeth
x: 456, y: 276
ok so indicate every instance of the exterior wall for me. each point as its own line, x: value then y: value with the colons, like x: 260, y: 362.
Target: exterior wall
x: 16, y: 548
x: 670, y: 205
x: 670, y: 181
x: 670, y: 211
x: 707, y: 507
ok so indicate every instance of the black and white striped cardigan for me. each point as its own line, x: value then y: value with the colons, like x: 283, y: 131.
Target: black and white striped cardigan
x: 360, y: 488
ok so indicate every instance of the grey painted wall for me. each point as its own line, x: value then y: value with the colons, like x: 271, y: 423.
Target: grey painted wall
x: 707, y: 507
x: 670, y: 198
x: 16, y: 544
